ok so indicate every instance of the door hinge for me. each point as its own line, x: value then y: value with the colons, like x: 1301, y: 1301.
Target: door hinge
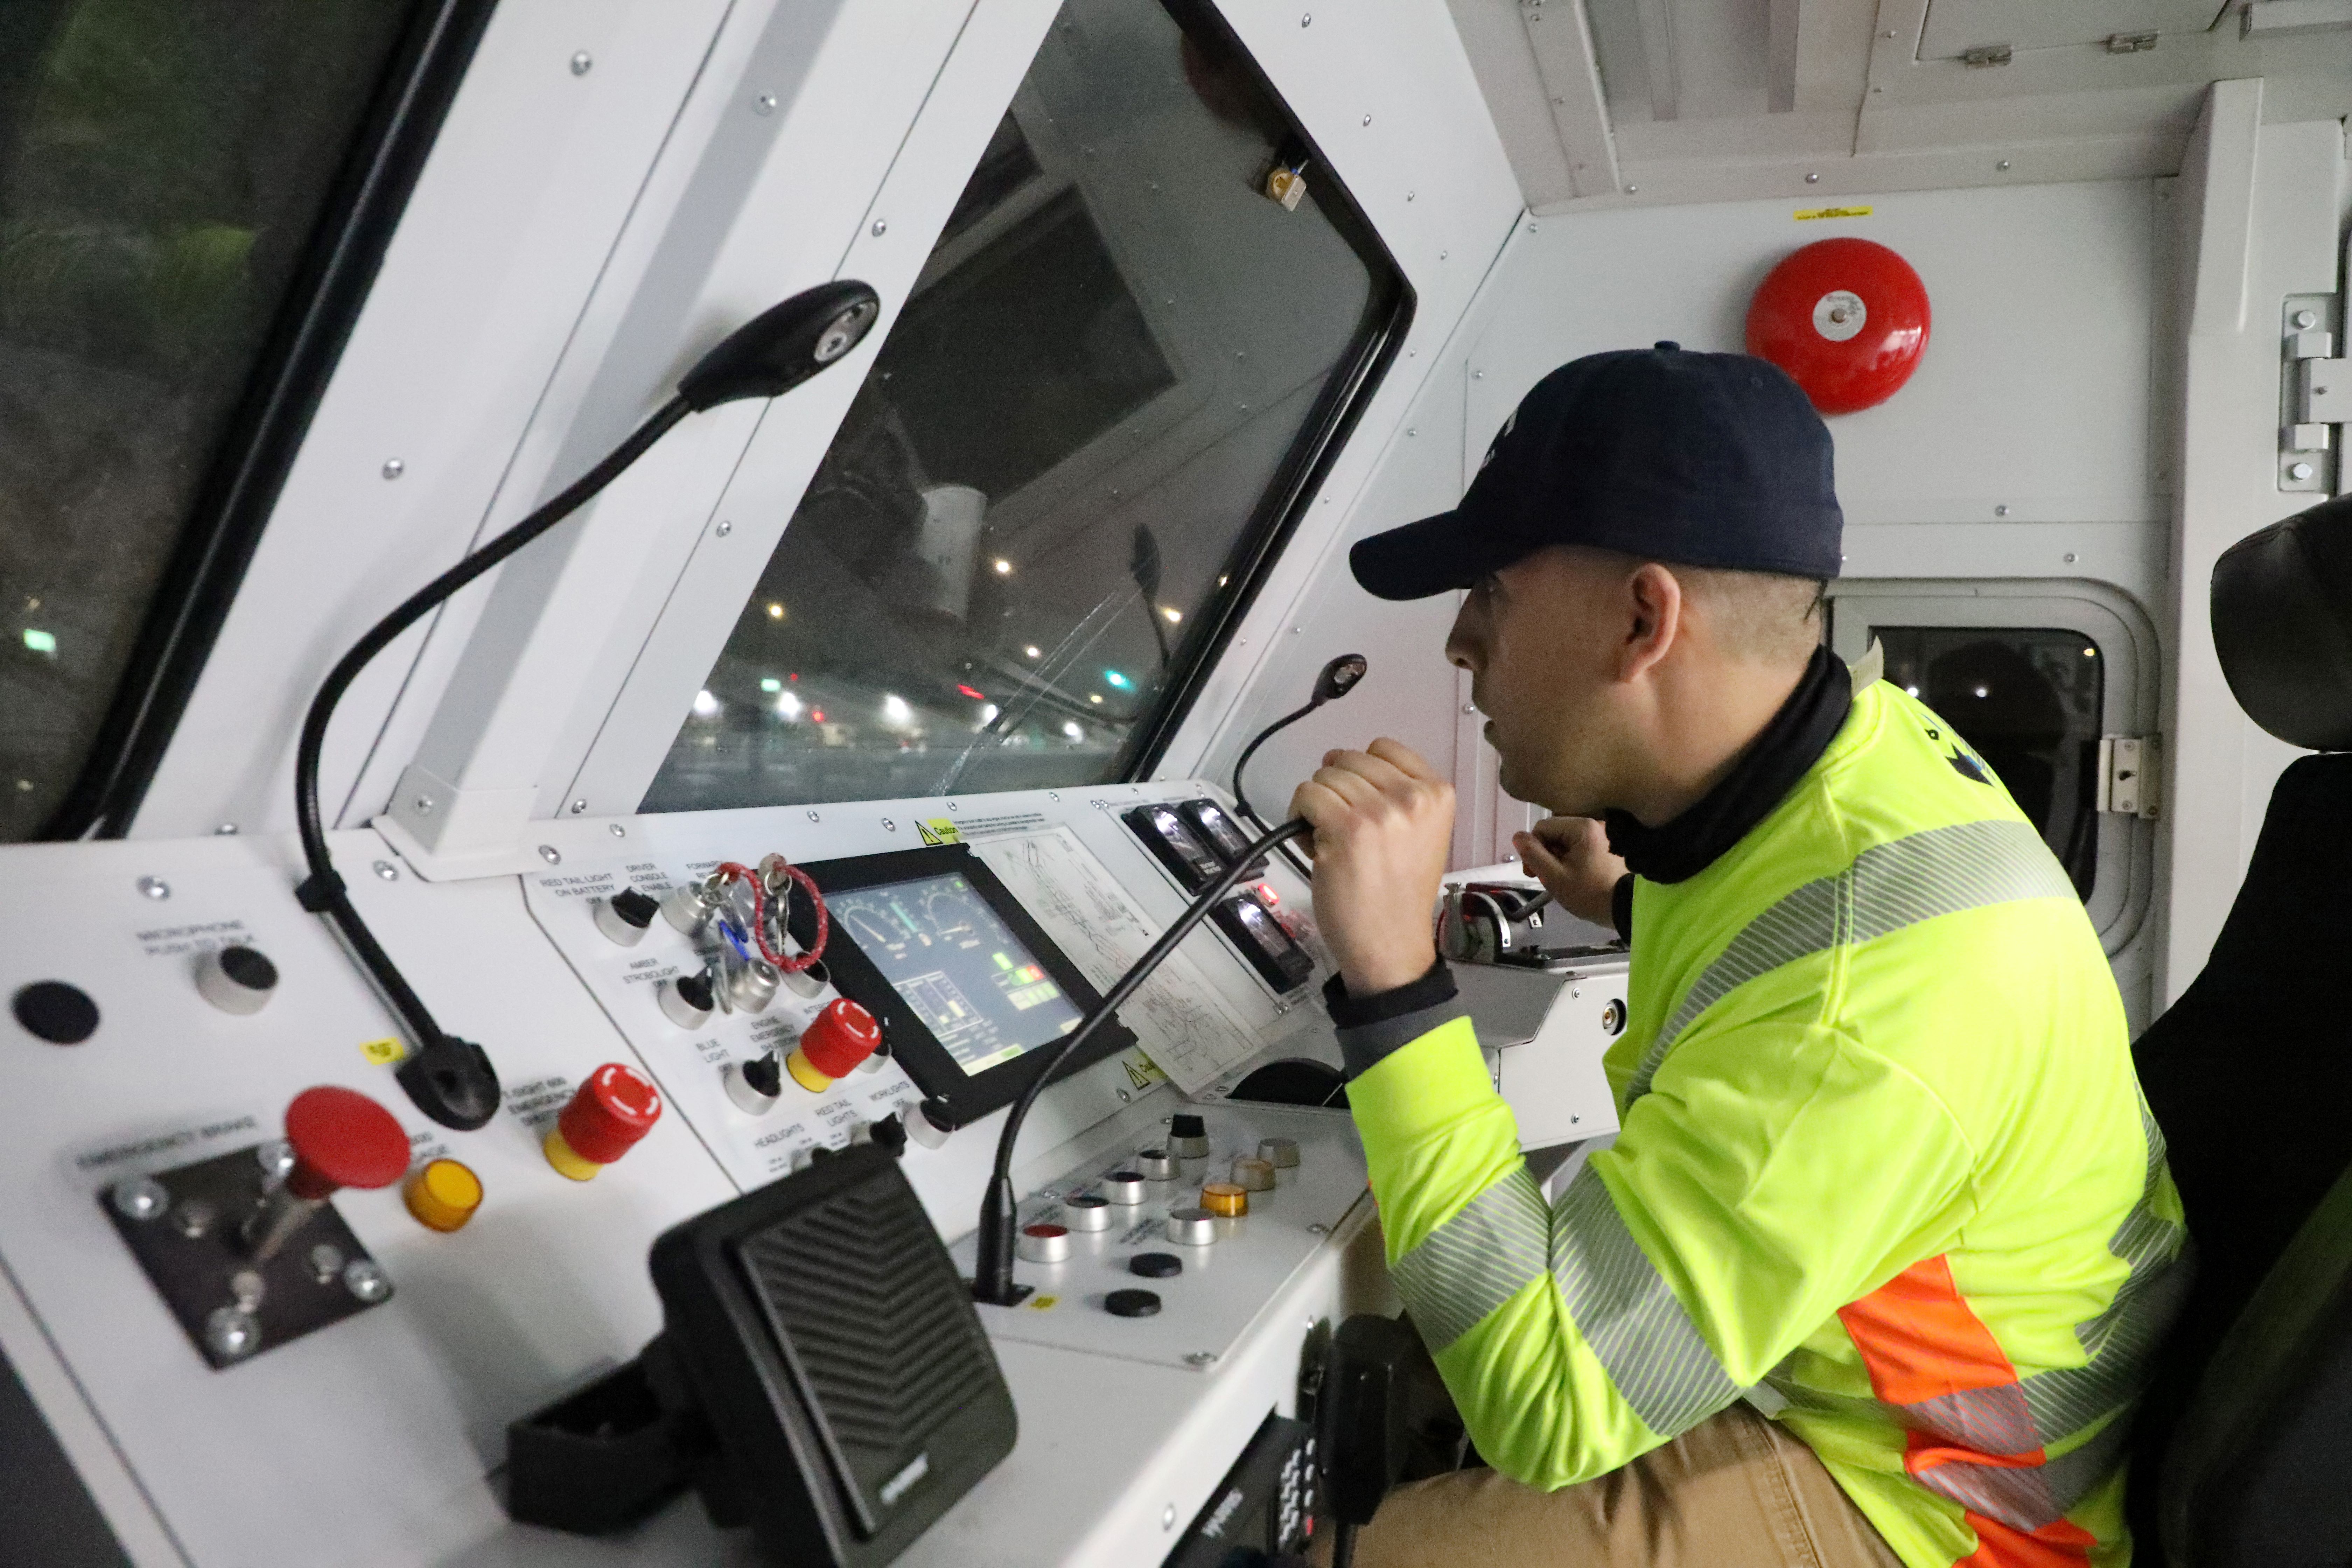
x: 2316, y: 394
x: 2127, y: 776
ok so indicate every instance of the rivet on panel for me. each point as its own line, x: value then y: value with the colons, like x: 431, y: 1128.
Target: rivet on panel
x: 551, y: 854
x: 764, y: 104
x: 156, y: 887
x: 393, y: 467
x: 881, y: 227
x: 387, y: 870
x: 724, y: 528
x: 617, y: 830
x: 579, y: 806
x: 580, y: 63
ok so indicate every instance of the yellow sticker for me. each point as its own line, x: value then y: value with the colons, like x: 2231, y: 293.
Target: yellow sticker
x: 1806, y: 214
x: 1041, y: 1303
x: 1141, y: 1071
x: 938, y: 830
x: 384, y: 1052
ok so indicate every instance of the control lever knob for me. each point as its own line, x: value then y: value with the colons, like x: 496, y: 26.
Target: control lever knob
x: 340, y: 1138
x: 624, y: 916
x: 1224, y: 1199
x: 1188, y: 1136
x: 1157, y: 1164
x: 754, y: 1085
x: 1282, y: 1153
x: 921, y: 1128
x: 235, y: 979
x: 843, y: 1035
x: 607, y: 1115
x: 687, y: 999
x: 1191, y: 1227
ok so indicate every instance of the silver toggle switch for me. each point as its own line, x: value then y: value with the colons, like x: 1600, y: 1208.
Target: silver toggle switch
x: 1157, y: 1164
x: 1086, y: 1211
x: 1191, y: 1227
x: 1125, y: 1188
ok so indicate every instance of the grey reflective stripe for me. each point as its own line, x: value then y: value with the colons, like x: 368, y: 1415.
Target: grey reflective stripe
x: 1633, y: 1321
x: 1475, y: 1261
x: 2120, y: 1340
x: 1937, y: 871
x: 2027, y: 1497
x: 1988, y: 1420
x: 1503, y: 1239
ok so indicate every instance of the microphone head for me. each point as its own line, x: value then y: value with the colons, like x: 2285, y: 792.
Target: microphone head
x: 1339, y: 677
x: 783, y: 345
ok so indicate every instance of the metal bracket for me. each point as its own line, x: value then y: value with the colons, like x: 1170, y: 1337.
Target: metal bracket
x: 2127, y: 776
x: 2314, y: 393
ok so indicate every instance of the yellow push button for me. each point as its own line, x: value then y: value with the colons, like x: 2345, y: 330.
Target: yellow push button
x: 1225, y: 1199
x: 443, y: 1194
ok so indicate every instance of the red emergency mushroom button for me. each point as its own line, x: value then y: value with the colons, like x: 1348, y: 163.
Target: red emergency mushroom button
x: 843, y: 1035
x: 341, y: 1139
x: 617, y: 1106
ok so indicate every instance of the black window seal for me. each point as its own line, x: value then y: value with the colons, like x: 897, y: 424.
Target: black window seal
x: 1284, y: 503
x: 306, y: 340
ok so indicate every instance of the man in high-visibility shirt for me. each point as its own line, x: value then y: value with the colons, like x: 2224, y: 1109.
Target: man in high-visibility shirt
x: 1874, y: 1268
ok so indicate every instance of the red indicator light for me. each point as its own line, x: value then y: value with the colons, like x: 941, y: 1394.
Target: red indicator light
x: 1268, y: 896
x: 817, y: 714
x: 968, y: 691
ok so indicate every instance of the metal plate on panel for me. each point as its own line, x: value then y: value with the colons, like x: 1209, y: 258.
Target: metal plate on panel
x: 1956, y: 26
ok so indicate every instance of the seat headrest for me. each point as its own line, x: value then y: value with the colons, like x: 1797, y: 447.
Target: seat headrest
x: 2283, y: 625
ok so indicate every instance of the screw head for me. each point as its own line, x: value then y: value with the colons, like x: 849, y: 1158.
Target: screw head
x: 1318, y: 1228
x: 246, y: 1288
x: 140, y: 1197
x: 888, y: 825
x: 2300, y: 472
x: 2071, y: 558
x: 881, y: 227
x: 154, y: 887
x: 2000, y: 511
x: 1632, y: 189
x: 393, y: 467
x: 1167, y: 1517
x: 551, y: 854
x: 764, y: 104
x: 1307, y: 20
x: 194, y: 1219
x: 814, y: 817
x: 2003, y: 164
x: 579, y: 806
x: 276, y: 1159
x: 387, y: 870
x: 232, y: 1334
x: 424, y: 806
x: 617, y: 830
x: 1198, y: 1358
x: 580, y: 63
x: 724, y: 528
x: 1368, y: 119
x: 1813, y: 179
x: 226, y: 830
x: 326, y: 1262
x: 363, y: 1279
x: 2305, y: 320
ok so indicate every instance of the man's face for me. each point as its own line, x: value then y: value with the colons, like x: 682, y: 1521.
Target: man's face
x: 1537, y: 638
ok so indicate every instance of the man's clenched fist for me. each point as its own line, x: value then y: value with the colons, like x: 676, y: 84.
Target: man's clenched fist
x: 1383, y: 823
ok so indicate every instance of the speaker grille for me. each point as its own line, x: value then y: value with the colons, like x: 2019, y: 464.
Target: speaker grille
x: 882, y: 1325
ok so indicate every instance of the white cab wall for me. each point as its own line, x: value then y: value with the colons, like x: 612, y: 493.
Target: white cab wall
x: 2262, y: 213
x: 2036, y: 394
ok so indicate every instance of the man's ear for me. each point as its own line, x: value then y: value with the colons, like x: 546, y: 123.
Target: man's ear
x: 1653, y: 596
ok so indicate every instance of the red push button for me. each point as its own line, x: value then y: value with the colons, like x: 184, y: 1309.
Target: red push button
x: 843, y: 1035
x: 617, y: 1106
x: 341, y: 1139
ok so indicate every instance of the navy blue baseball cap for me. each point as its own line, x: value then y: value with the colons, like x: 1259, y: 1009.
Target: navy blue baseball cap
x: 1697, y: 459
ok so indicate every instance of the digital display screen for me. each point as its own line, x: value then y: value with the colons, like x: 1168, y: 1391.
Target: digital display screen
x: 954, y: 962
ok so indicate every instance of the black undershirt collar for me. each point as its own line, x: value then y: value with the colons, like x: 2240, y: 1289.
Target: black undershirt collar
x: 1780, y: 755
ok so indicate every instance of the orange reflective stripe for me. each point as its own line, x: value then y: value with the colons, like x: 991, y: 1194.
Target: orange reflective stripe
x: 1970, y: 1437
x: 1921, y: 1342
x: 2064, y: 1545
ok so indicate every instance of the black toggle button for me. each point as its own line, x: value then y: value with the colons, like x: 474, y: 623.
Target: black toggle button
x: 1185, y: 1124
x: 1131, y: 1304
x: 61, y: 1014
x: 634, y: 908
x: 1156, y: 1265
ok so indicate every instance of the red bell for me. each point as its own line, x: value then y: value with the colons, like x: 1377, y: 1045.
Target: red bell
x: 1847, y: 319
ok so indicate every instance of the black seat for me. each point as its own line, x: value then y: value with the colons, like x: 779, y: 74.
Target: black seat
x: 2244, y: 1442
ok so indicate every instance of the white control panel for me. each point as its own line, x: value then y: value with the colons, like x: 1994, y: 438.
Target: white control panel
x: 374, y: 1433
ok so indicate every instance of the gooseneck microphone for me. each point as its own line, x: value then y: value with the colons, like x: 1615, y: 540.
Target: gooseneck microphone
x: 992, y: 1248
x: 1336, y: 681
x: 451, y: 1080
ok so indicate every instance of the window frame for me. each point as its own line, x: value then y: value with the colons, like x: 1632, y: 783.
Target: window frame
x: 2124, y: 879
x: 1285, y: 499
x: 250, y: 465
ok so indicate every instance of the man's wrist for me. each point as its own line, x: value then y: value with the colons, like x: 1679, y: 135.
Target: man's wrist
x: 1386, y: 974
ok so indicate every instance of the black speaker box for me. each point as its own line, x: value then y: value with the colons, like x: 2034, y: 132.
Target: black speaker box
x: 829, y: 1342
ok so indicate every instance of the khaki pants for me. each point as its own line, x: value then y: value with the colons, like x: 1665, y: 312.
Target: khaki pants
x: 1735, y: 1491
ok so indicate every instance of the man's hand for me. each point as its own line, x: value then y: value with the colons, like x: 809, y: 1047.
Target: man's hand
x: 1383, y: 824
x: 1569, y: 856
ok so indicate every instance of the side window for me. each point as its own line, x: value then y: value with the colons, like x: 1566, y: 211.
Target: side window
x: 2033, y: 675
x: 165, y: 167
x: 1148, y: 316
x: 2028, y: 701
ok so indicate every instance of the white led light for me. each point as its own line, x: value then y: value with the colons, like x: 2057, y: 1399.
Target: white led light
x: 705, y: 706
x: 1173, y: 615
x: 1004, y: 567
x: 1033, y: 652
x: 988, y: 712
x: 1073, y: 731
x: 894, y: 710
x: 789, y: 706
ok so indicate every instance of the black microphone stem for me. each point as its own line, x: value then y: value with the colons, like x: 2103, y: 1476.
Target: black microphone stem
x: 1241, y: 800
x: 993, y: 1247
